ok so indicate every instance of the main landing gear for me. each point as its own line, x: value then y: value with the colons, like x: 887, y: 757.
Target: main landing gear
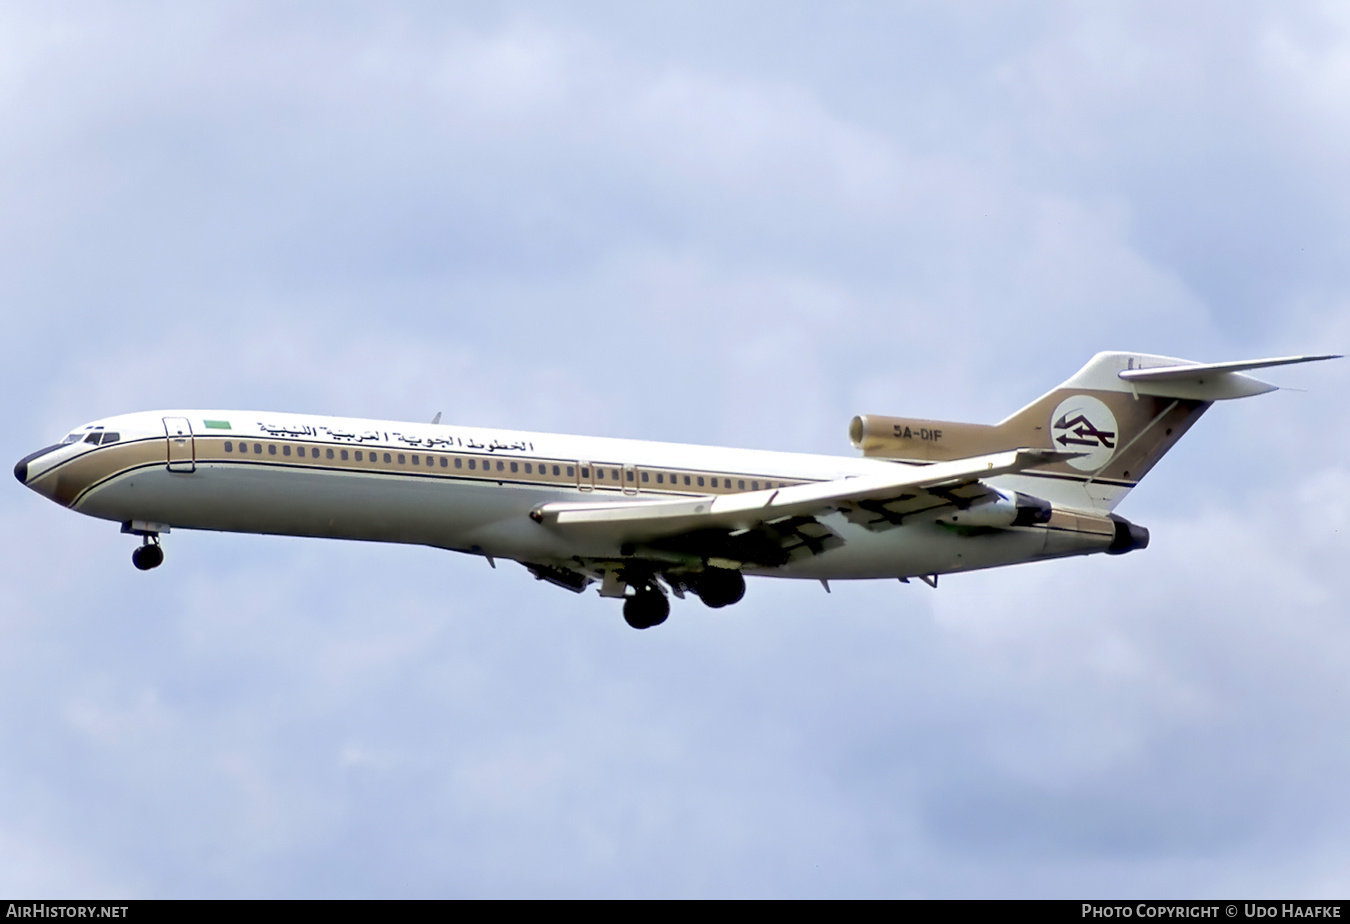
x: 648, y: 605
x: 719, y: 587
x: 646, y: 608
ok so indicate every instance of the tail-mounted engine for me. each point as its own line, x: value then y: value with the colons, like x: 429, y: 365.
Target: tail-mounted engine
x: 924, y: 440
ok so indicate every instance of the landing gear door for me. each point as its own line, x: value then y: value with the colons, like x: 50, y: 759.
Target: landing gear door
x: 182, y: 450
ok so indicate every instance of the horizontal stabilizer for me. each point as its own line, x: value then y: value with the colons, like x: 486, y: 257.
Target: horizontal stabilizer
x: 1209, y: 381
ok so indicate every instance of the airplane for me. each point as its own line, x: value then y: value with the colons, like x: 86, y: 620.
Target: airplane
x: 647, y: 520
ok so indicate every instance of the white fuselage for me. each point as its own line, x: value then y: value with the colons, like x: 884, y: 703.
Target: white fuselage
x: 465, y: 489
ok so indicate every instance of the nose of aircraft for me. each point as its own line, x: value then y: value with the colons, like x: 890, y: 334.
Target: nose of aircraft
x: 21, y: 467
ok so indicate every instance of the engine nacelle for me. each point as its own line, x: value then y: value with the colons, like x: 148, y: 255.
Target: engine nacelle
x: 1127, y: 538
x: 923, y: 440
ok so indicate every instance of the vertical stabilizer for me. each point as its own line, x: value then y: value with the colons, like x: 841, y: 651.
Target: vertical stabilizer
x: 1122, y: 411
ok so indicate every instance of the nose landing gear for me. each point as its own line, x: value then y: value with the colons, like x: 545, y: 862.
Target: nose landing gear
x: 149, y: 555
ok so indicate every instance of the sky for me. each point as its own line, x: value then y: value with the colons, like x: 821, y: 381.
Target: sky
x: 727, y: 223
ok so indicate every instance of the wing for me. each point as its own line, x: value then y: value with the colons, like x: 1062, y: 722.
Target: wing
x: 775, y: 526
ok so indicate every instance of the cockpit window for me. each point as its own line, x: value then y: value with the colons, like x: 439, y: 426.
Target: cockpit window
x: 73, y: 438
x: 111, y: 436
x: 93, y: 437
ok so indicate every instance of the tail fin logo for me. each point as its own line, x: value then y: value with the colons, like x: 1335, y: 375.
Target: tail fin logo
x: 1084, y: 424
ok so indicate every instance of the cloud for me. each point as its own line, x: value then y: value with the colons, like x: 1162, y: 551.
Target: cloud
x: 636, y: 224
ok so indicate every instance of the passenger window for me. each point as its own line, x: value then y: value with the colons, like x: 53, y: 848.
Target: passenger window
x: 472, y: 465
x: 659, y: 479
x: 700, y: 481
x: 555, y: 471
x: 630, y: 475
x: 501, y: 466
x: 741, y: 484
x: 285, y: 450
x: 585, y: 473
x: 599, y: 474
x: 343, y: 453
x: 571, y: 471
x: 400, y: 459
x: 714, y: 482
x: 529, y: 469
x: 444, y: 462
x: 358, y: 455
x: 686, y: 479
x: 417, y: 460
x: 754, y: 485
x: 330, y: 453
x: 271, y: 449
x: 459, y: 463
x: 229, y: 447
x: 386, y: 458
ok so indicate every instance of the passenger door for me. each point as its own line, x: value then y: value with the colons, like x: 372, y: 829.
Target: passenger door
x: 182, y: 448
